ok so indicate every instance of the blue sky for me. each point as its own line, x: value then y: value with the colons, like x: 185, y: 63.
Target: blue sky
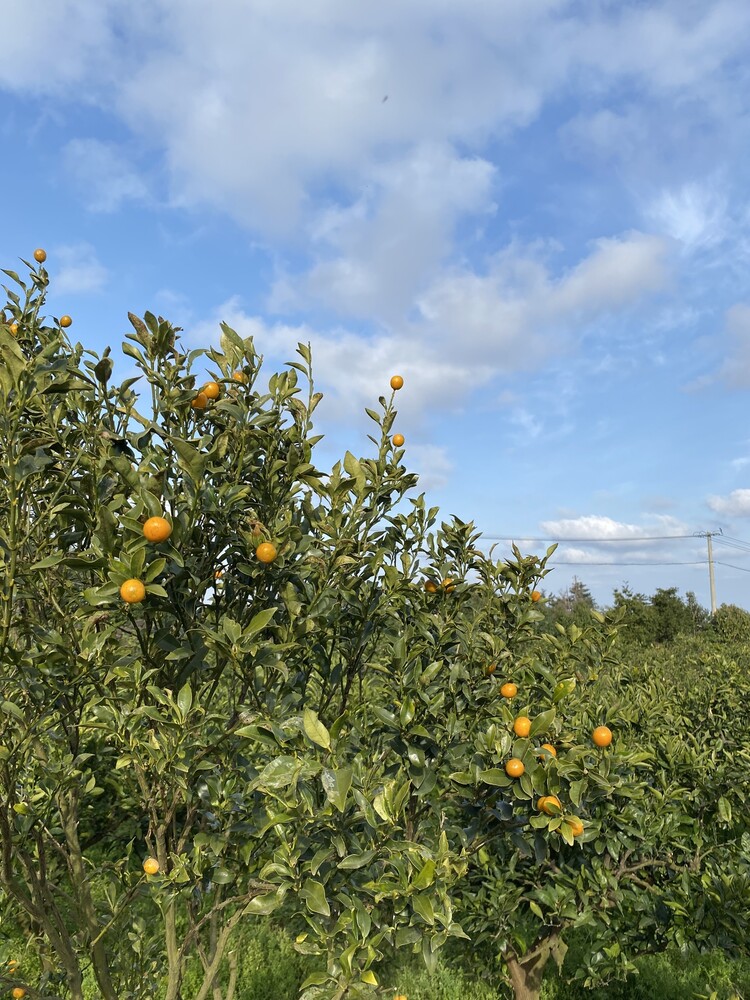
x: 535, y: 210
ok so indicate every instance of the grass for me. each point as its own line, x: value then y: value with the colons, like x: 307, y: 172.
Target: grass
x: 270, y: 969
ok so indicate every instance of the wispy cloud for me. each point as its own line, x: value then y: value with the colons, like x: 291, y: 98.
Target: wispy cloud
x: 735, y: 504
x: 103, y: 175
x: 81, y: 271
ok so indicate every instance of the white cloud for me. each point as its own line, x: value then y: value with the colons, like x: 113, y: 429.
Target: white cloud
x: 597, y: 527
x: 253, y: 104
x: 431, y: 463
x: 695, y: 215
x: 80, y: 271
x: 469, y: 329
x: 518, y: 313
x: 390, y: 241
x: 735, y: 504
x: 103, y: 174
x: 351, y: 369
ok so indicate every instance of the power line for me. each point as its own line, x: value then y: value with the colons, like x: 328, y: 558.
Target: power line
x: 592, y: 541
x: 740, y: 540
x: 733, y: 543
x: 693, y: 562
x: 744, y: 569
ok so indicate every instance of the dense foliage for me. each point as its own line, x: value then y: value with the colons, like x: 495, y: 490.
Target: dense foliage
x: 234, y: 686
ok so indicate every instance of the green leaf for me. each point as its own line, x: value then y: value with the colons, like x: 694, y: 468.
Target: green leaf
x: 12, y: 360
x: 278, y: 773
x: 314, y: 895
x: 725, y: 810
x: 48, y: 561
x: 352, y: 465
x: 426, y: 877
x: 189, y: 458
x: 185, y: 699
x: 336, y: 785
x: 222, y: 875
x: 354, y: 861
x: 422, y: 905
x: 563, y: 689
x: 259, y: 621
x: 542, y: 722
x: 495, y: 776
x: 265, y: 903
x: 315, y: 729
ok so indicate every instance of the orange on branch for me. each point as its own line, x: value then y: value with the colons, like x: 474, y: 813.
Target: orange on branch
x: 132, y: 591
x: 550, y: 805
x: 396, y: 382
x: 514, y: 768
x: 509, y: 690
x: 40, y: 255
x: 575, y: 824
x: 211, y: 390
x: 602, y: 736
x: 266, y: 552
x: 522, y: 726
x: 398, y: 440
x: 157, y: 529
x: 200, y: 402
x: 151, y: 866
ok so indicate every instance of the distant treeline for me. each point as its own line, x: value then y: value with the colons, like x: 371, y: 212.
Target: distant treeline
x: 658, y: 618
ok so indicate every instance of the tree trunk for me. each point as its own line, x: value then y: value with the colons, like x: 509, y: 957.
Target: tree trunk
x: 526, y: 973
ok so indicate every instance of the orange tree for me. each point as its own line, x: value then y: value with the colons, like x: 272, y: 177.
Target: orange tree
x: 488, y: 712
x: 649, y: 759
x: 597, y: 801
x: 190, y: 613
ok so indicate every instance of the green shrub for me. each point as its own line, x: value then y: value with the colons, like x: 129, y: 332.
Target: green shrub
x: 732, y: 623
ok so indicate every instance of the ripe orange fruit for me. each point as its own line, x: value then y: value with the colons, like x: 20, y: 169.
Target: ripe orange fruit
x: 12, y: 964
x: 514, y: 768
x: 490, y: 669
x: 40, y: 255
x: 398, y: 440
x: 17, y: 992
x: 266, y: 552
x: 522, y: 726
x: 602, y: 736
x: 576, y: 826
x: 211, y: 390
x: 239, y: 376
x: 132, y: 591
x: 448, y: 585
x: 508, y: 690
x: 151, y: 866
x: 536, y: 595
x: 431, y: 587
x: 157, y: 529
x: 200, y: 401
x: 65, y: 321
x: 549, y: 748
x: 396, y: 382
x: 13, y: 328
x: 550, y: 805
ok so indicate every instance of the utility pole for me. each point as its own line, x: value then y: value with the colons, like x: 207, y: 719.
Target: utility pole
x: 708, y: 535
